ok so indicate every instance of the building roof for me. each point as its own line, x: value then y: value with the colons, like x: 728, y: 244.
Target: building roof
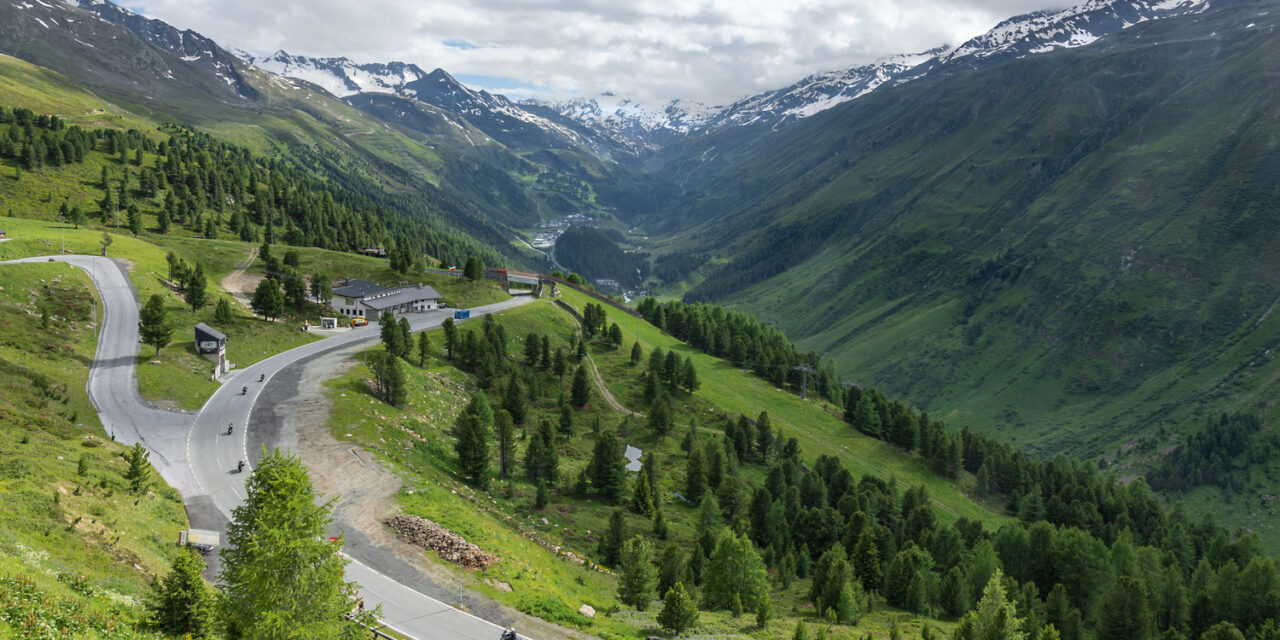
x: 202, y: 328
x: 402, y: 296
x: 357, y: 288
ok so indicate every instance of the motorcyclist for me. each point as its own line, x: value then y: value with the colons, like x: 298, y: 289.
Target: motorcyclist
x: 509, y: 634
x: 244, y: 391
x: 262, y: 377
x: 230, y: 427
x: 240, y: 466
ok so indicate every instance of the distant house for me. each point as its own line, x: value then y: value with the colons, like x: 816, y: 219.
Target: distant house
x: 350, y: 293
x: 360, y: 298
x: 609, y: 283
x: 377, y: 252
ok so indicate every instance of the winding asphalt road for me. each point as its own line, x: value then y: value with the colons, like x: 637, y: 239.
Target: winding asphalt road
x: 195, y: 456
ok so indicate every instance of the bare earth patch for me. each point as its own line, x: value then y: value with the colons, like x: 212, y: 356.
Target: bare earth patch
x: 240, y: 284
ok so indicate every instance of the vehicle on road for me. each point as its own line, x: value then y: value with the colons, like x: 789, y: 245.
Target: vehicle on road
x: 359, y: 322
x: 461, y: 314
x: 199, y: 539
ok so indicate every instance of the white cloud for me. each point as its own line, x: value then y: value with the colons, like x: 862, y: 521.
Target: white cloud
x: 710, y: 50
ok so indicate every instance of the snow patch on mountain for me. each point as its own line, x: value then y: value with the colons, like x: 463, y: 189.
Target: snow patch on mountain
x: 339, y: 76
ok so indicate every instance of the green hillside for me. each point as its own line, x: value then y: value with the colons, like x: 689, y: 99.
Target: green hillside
x: 1073, y: 251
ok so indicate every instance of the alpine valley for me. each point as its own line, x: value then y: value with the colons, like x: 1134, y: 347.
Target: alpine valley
x: 1026, y: 283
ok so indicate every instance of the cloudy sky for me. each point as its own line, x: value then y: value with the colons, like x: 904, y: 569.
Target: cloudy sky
x: 709, y: 50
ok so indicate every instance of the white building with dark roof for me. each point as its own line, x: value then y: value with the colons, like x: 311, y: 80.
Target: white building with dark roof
x: 350, y: 293
x: 404, y: 300
x: 357, y: 298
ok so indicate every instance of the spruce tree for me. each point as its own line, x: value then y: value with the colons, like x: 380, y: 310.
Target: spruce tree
x: 580, y: 393
x: 280, y: 569
x: 472, y: 429
x: 689, y: 376
x: 1124, y: 612
x: 513, y: 400
x: 267, y: 300
x: 450, y: 336
x: 424, y: 349
x: 636, y: 353
x: 153, y: 323
x: 182, y: 603
x: 505, y: 432
x: 659, y: 418
x: 610, y: 547
x: 641, y: 496
x: 196, y: 286
x: 679, y: 613
x: 561, y: 364
x: 139, y: 469
x: 566, y: 421
x: 389, y: 332
x: 671, y: 567
x: 695, y: 483
x: 222, y: 312
x: 406, y: 338
x: 607, y: 468
x: 637, y: 575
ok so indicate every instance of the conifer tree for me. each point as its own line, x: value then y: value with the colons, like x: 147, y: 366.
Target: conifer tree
x: 182, y: 603
x: 561, y: 364
x: 195, y: 290
x: 566, y: 421
x: 671, y: 567
x: 222, y: 312
x: 994, y: 617
x: 610, y: 547
x: 505, y: 431
x: 637, y: 575
x: 267, y: 300
x: 636, y: 353
x: 450, y: 336
x: 406, y: 338
x: 424, y: 349
x: 679, y: 613
x: 153, y: 323
x: 513, y: 400
x: 607, y: 469
x: 472, y: 429
x: 280, y: 569
x: 659, y: 418
x: 695, y: 483
x: 580, y: 392
x: 735, y: 573
x: 641, y: 496
x: 139, y: 469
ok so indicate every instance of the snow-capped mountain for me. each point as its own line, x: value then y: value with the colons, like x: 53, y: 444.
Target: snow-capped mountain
x: 630, y: 122
x: 1024, y: 35
x: 495, y: 115
x: 1045, y: 31
x: 819, y: 92
x: 340, y: 76
x: 200, y: 53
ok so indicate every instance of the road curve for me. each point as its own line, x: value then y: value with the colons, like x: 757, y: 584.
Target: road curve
x: 195, y: 456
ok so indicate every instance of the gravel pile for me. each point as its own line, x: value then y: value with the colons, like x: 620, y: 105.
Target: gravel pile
x: 429, y: 535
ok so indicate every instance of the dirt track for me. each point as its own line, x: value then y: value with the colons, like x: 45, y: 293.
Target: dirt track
x: 241, y: 285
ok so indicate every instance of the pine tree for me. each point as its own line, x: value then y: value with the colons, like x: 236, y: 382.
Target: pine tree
x: 735, y: 572
x: 424, y: 349
x: 406, y: 338
x: 390, y: 333
x: 504, y: 430
x: 267, y: 300
x: 153, y: 323
x: 671, y: 567
x: 994, y: 617
x: 1123, y: 611
x: 661, y: 528
x: 182, y: 603
x: 637, y: 575
x: 134, y: 218
x: 679, y: 613
x: 561, y: 364
x: 659, y: 419
x: 222, y: 312
x: 641, y: 496
x: 388, y: 377
x: 866, y: 559
x: 610, y: 547
x: 139, y: 469
x: 689, y: 376
x: 196, y: 287
x: 473, y: 269
x: 450, y: 336
x: 695, y: 483
x: 607, y: 469
x: 581, y: 392
x: 280, y: 569
x: 542, y: 461
x: 472, y: 429
x: 764, y: 613
x: 566, y: 421
x: 513, y: 400
x: 636, y: 353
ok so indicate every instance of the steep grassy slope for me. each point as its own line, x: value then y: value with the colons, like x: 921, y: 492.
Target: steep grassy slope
x: 69, y: 516
x: 1074, y: 249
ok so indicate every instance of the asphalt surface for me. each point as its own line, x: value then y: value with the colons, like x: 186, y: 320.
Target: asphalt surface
x: 194, y: 454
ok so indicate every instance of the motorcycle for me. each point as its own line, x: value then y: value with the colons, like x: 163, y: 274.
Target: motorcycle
x: 244, y: 391
x: 229, y: 428
x: 262, y: 377
x: 240, y: 467
x: 509, y: 634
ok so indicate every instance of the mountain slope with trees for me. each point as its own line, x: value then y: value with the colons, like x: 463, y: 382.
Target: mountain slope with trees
x: 1073, y: 247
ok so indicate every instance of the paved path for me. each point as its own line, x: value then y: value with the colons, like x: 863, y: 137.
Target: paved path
x: 193, y: 454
